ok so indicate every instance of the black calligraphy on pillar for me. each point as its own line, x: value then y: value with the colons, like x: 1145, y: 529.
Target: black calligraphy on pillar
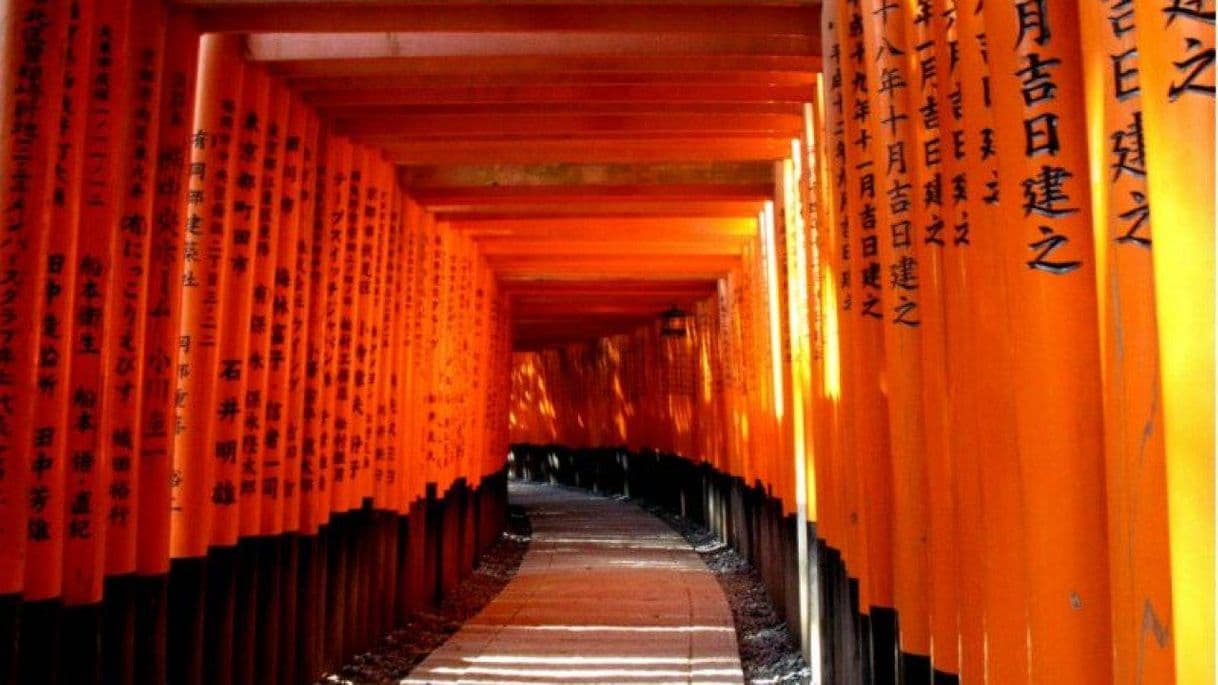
x: 1046, y: 194
x: 1127, y: 184
x: 1194, y: 70
x: 894, y: 96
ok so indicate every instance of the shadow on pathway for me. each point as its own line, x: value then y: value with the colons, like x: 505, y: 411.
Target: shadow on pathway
x: 607, y: 593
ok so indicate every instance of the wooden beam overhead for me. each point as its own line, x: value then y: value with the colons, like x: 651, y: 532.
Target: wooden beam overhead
x: 505, y: 247
x: 608, y: 159
x: 614, y: 266
x: 546, y: 95
x: 546, y: 150
x: 495, y: 125
x: 561, y: 311
x: 538, y: 65
x: 651, y: 301
x: 610, y: 87
x: 601, y: 285
x: 315, y: 17
x: 567, y: 109
x: 566, y: 179
x: 620, y: 210
x: 592, y: 192
x: 352, y: 46
x: 627, y: 228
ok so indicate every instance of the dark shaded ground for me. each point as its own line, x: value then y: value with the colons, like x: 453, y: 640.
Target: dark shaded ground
x: 397, y: 653
x: 768, y: 651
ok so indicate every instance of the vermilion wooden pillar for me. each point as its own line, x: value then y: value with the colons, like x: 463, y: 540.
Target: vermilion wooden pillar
x: 934, y: 236
x: 958, y: 615
x: 134, y: 277
x: 344, y: 347
x: 175, y: 215
x: 233, y: 458
x: 55, y: 307
x: 339, y: 167
x: 90, y: 427
x: 1139, y: 551
x: 300, y: 403
x: 313, y: 413
x: 869, y: 408
x: 278, y: 452
x: 1175, y: 43
x: 897, y: 228
x: 30, y: 116
x: 996, y: 521
x: 840, y: 291
x: 212, y: 186
x: 259, y: 366
x: 386, y: 372
x: 1048, y: 257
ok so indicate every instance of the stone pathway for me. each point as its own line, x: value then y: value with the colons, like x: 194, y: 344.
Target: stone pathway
x: 607, y: 593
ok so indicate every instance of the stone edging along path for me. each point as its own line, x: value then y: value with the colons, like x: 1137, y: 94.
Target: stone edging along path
x: 607, y: 593
x: 513, y: 644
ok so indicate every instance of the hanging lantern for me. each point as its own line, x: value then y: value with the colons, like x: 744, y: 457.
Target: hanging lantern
x: 673, y: 322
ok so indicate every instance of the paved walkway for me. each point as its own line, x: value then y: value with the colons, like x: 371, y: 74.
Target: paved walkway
x: 607, y: 593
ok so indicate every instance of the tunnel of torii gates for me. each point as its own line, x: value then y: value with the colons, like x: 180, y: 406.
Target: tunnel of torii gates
x: 284, y: 284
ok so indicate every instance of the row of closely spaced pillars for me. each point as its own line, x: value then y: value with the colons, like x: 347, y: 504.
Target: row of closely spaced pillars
x: 243, y: 377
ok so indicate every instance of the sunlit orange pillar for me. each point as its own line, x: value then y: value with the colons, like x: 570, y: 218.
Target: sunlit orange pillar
x: 989, y: 488
x: 1175, y: 52
x: 958, y: 637
x: 1048, y: 257
x: 819, y: 222
x: 928, y: 59
x: 1133, y: 419
x: 869, y: 408
x: 839, y: 292
x: 897, y: 276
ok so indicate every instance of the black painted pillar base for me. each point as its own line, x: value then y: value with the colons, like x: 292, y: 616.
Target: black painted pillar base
x: 884, y: 640
x: 915, y: 669
x: 187, y: 589
x: 119, y: 634
x: 39, y: 641
x: 81, y: 644
x: 10, y: 625
x: 151, y: 629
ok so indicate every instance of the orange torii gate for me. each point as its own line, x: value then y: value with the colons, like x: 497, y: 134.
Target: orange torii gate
x: 280, y: 288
